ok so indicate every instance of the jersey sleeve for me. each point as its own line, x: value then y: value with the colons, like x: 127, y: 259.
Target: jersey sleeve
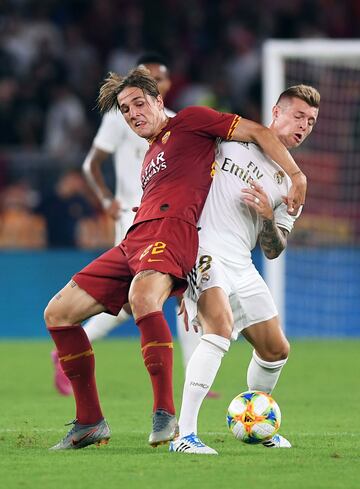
x: 283, y: 218
x: 209, y: 122
x: 110, y: 132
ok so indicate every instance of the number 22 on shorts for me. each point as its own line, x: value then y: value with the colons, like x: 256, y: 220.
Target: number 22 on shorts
x: 154, y: 249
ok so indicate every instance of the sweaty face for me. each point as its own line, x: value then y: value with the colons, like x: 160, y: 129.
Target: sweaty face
x: 161, y: 75
x: 143, y: 113
x: 293, y: 121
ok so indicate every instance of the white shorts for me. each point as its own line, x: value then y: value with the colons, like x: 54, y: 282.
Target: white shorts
x: 249, y: 296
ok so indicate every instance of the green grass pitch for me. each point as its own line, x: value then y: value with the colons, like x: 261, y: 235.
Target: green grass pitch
x: 319, y: 395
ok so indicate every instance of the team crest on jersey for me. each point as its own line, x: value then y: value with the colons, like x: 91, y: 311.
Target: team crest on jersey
x: 205, y: 277
x: 279, y: 177
x: 165, y: 137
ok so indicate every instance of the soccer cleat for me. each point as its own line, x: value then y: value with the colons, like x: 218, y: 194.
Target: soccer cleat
x: 61, y: 382
x: 191, y: 444
x: 82, y: 435
x: 277, y: 441
x: 165, y: 428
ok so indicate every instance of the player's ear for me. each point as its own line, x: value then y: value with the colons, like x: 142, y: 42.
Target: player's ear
x: 275, y: 112
x: 160, y: 101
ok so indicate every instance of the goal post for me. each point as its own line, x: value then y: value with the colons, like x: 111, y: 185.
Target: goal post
x: 320, y: 269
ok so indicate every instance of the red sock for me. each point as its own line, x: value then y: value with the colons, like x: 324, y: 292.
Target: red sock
x: 157, y: 351
x: 77, y: 360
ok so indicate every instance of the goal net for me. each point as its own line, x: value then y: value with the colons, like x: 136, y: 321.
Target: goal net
x: 316, y: 283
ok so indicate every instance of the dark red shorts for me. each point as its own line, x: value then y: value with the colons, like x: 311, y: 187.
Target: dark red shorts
x: 166, y: 245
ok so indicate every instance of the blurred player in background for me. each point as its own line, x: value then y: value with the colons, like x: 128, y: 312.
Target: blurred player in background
x: 128, y: 149
x: 226, y: 292
x: 159, y: 250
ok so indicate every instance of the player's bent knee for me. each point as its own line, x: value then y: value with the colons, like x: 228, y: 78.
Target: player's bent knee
x: 284, y: 351
x: 276, y: 353
x: 54, y: 315
x: 143, y: 303
x: 49, y: 317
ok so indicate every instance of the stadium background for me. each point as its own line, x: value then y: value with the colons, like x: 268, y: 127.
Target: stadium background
x: 54, y: 54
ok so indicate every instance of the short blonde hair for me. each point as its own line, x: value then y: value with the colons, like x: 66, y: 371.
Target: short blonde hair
x: 306, y: 93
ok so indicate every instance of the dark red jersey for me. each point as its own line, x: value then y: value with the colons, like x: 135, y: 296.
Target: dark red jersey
x: 176, y: 172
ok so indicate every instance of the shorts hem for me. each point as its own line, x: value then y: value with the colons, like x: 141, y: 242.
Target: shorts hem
x: 114, y: 311
x: 259, y: 321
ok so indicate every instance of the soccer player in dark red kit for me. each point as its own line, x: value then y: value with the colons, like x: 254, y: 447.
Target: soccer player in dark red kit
x: 159, y: 250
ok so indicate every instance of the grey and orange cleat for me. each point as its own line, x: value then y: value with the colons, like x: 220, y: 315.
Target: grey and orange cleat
x: 82, y: 435
x: 165, y: 428
x: 277, y: 441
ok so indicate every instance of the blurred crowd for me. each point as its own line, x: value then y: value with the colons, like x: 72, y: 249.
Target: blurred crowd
x: 54, y: 54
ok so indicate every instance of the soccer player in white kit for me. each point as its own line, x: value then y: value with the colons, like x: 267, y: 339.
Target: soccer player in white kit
x: 226, y: 294
x: 114, y: 137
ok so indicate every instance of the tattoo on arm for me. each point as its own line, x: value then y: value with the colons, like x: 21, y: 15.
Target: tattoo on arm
x: 273, y: 239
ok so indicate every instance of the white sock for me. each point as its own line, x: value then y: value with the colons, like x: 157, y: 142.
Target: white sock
x: 99, y: 326
x: 188, y: 340
x: 262, y: 375
x: 200, y: 374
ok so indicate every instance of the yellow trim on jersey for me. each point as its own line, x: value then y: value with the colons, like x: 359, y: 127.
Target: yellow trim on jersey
x: 235, y: 122
x: 69, y: 357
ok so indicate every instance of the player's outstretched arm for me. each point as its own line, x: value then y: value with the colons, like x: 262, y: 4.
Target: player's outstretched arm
x: 250, y: 131
x: 92, y: 170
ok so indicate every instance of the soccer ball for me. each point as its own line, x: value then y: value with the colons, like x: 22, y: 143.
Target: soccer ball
x: 253, y: 417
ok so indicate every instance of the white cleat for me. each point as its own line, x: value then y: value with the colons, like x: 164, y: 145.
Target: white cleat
x: 277, y: 441
x: 191, y: 444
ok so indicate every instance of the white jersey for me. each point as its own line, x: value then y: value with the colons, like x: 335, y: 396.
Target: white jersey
x: 115, y: 136
x: 229, y: 227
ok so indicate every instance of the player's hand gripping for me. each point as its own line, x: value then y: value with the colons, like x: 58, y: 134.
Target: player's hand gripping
x: 296, y: 197
x: 255, y: 197
x: 182, y: 310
